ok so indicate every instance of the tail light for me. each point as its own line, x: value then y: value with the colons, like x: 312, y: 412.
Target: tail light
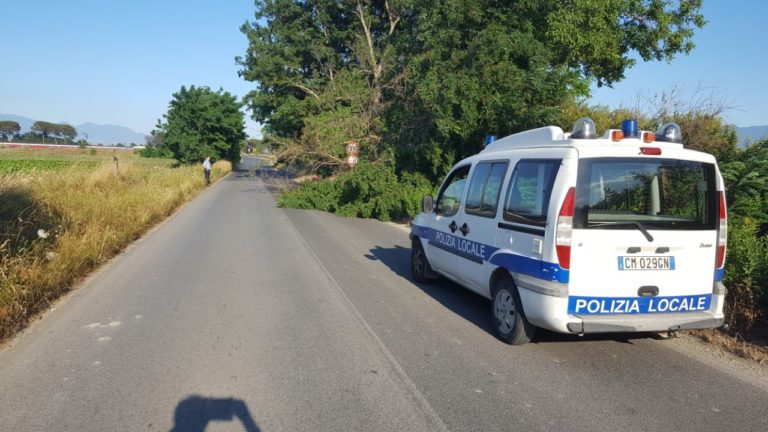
x: 651, y: 151
x: 565, y: 229
x: 722, y: 233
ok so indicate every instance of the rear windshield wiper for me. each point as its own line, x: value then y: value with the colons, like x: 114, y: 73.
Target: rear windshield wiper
x: 636, y: 224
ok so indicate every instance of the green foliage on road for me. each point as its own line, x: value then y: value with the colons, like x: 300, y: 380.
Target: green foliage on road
x: 369, y: 191
x: 200, y: 122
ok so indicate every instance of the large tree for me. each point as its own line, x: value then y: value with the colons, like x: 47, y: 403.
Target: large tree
x: 322, y: 70
x: 54, y: 130
x: 66, y: 132
x: 43, y: 129
x: 9, y: 128
x: 427, y: 79
x: 489, y: 67
x: 201, y: 122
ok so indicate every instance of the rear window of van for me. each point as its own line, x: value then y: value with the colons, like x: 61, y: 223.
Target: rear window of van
x: 657, y: 193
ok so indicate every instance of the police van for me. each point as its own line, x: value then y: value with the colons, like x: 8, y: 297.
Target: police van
x: 577, y: 233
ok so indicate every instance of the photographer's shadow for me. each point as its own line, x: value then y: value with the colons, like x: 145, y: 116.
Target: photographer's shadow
x: 194, y: 413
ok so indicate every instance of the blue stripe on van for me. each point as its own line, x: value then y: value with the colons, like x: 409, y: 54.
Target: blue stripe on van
x: 531, y: 267
x: 478, y: 251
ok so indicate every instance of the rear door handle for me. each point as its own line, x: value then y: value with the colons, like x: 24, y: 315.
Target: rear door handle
x: 464, y: 229
x: 453, y: 226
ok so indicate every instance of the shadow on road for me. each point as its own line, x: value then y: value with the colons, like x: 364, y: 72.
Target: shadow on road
x: 477, y: 309
x: 461, y: 301
x: 195, y: 413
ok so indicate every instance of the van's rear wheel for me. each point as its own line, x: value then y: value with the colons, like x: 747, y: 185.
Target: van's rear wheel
x: 508, y: 318
x: 420, y: 269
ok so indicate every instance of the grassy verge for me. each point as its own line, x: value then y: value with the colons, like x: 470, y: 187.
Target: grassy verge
x: 56, y: 226
x: 752, y: 346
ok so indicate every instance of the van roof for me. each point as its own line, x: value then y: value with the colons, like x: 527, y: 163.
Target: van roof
x: 554, y: 136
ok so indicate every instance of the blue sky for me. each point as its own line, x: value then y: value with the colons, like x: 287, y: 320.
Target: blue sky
x: 116, y: 62
x: 729, y: 61
x: 119, y: 63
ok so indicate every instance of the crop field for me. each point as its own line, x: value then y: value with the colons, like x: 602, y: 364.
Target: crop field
x: 20, y: 160
x: 27, y: 165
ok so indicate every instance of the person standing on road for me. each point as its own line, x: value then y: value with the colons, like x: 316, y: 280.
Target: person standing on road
x: 207, y: 170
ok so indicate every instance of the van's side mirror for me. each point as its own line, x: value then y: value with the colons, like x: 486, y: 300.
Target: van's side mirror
x: 427, y: 204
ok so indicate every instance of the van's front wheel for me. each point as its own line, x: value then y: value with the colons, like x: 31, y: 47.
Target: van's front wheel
x: 508, y: 319
x: 420, y: 269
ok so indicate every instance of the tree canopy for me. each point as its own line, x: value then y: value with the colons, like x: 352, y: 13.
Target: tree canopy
x: 421, y: 82
x: 55, y: 130
x: 199, y: 123
x: 9, y: 128
x: 746, y: 177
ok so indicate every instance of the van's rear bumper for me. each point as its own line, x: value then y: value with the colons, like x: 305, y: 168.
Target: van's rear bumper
x: 550, y: 312
x: 644, y: 323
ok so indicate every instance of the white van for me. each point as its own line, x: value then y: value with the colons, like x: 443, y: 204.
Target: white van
x: 581, y: 234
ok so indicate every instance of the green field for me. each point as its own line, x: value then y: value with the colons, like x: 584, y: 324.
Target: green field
x: 26, y: 165
x: 23, y: 160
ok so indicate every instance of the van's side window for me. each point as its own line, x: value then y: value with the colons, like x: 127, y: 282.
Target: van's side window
x: 449, y: 200
x: 484, y: 188
x: 529, y: 190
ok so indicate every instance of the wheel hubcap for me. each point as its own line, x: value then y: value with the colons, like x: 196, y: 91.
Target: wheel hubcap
x: 504, y: 310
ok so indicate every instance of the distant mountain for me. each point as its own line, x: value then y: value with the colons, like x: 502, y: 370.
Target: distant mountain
x: 109, y: 134
x: 751, y: 133
x: 96, y: 133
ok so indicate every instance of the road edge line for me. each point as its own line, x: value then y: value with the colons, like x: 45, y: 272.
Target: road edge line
x: 419, y: 397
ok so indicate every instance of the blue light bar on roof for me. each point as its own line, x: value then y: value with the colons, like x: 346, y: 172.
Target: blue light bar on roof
x: 629, y: 127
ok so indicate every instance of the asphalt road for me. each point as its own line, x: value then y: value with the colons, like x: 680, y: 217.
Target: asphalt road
x: 238, y: 315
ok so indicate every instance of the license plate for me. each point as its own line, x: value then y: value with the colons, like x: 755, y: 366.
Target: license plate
x: 646, y: 263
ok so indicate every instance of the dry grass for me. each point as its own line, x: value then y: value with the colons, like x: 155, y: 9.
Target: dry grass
x: 55, y: 227
x: 753, y: 347
x: 745, y: 333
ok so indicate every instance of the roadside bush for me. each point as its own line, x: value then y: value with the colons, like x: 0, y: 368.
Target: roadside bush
x: 746, y: 275
x: 155, y: 151
x: 368, y: 191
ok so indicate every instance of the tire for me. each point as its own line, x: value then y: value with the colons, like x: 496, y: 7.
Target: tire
x: 509, y: 321
x: 420, y: 268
